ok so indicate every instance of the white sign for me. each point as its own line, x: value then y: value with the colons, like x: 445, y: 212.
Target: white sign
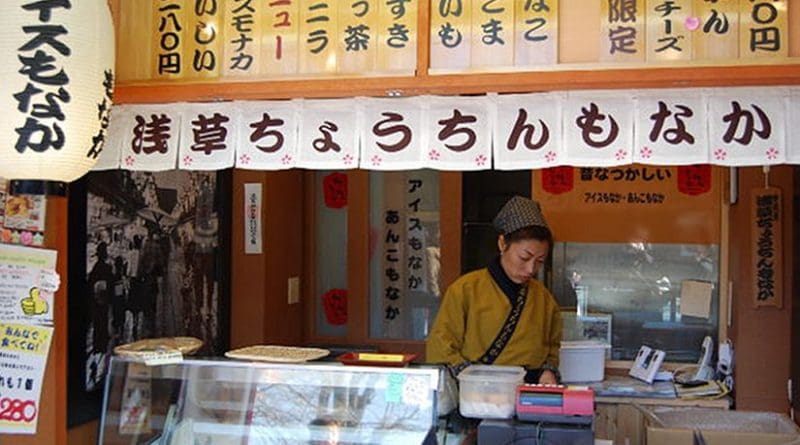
x: 598, y: 128
x: 252, y: 218
x: 722, y: 126
x: 527, y: 131
x: 23, y: 356
x: 208, y: 136
x: 267, y: 137
x: 671, y: 127
x: 393, y: 135
x: 747, y: 126
x: 329, y: 134
x: 149, y: 135
x: 459, y: 133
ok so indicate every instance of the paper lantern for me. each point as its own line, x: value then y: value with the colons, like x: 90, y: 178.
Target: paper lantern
x: 56, y: 79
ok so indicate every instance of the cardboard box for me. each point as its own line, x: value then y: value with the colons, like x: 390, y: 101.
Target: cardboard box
x: 719, y: 427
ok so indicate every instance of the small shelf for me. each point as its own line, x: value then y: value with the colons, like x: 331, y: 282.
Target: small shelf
x: 573, y: 77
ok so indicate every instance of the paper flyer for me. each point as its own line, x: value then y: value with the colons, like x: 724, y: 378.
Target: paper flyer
x: 28, y: 282
x: 23, y: 357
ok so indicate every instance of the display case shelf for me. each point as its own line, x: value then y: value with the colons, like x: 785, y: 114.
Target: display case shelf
x: 232, y: 402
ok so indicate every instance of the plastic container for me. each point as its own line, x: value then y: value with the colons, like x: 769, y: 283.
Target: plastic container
x: 488, y: 391
x: 583, y: 361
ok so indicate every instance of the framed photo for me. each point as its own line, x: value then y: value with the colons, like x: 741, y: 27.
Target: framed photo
x: 149, y: 256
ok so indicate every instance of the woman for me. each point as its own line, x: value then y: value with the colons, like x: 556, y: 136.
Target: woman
x: 501, y: 314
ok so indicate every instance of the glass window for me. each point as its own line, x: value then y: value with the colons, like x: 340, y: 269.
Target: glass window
x: 330, y: 216
x: 403, y: 253
x: 631, y: 294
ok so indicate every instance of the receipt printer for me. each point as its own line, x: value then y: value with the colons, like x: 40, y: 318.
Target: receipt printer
x: 555, y: 404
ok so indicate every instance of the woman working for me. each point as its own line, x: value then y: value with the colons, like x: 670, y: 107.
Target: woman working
x: 501, y: 314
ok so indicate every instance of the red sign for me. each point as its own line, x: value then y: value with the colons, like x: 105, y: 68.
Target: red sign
x: 558, y: 180
x: 334, y: 303
x: 694, y: 179
x: 334, y: 187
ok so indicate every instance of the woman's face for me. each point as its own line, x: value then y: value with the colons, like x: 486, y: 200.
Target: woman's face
x: 522, y: 259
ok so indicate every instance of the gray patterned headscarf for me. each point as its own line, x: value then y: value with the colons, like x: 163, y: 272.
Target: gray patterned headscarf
x: 517, y: 213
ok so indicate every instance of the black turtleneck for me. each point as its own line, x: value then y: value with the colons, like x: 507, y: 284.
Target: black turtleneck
x: 509, y: 288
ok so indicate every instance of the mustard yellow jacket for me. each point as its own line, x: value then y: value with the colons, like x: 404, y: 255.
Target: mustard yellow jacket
x: 472, y: 313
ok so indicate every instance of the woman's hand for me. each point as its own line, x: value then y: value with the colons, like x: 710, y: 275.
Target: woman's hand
x: 548, y: 378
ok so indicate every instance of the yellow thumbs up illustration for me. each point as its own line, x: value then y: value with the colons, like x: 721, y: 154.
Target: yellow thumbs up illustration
x: 34, y: 304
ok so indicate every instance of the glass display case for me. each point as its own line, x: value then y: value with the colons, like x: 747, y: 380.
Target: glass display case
x: 211, y: 402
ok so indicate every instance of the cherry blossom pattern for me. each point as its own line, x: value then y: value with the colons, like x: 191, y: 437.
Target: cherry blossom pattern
x: 375, y: 160
x: 26, y: 238
x: 692, y: 23
x: 720, y: 154
x: 646, y: 152
x: 244, y: 159
x: 434, y: 155
x: 129, y: 161
x: 550, y: 156
x: 480, y: 160
x: 347, y: 159
x: 287, y: 159
x: 621, y: 154
x: 772, y: 153
x: 187, y: 160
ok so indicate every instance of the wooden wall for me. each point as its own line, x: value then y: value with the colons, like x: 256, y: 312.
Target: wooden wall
x: 762, y: 337
x: 260, y: 312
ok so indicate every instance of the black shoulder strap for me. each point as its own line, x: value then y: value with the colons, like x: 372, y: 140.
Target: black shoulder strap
x: 500, y: 342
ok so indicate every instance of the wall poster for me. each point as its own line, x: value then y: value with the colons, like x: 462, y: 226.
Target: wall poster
x: 152, y: 259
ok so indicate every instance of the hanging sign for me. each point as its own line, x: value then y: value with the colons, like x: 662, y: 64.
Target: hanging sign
x: 318, y: 27
x: 392, y: 135
x: 536, y: 33
x: 397, y: 36
x: 450, y: 33
x: 252, y: 218
x: 356, y: 39
x: 281, y: 47
x: 767, y: 247
x: 717, y: 36
x: 763, y: 29
x: 57, y: 77
x: 23, y: 356
x: 527, y: 131
x: 267, y: 135
x: 169, y: 39
x: 459, y: 133
x: 203, y: 50
x: 492, y: 33
x: 670, y: 28
x: 631, y: 203
x: 671, y: 127
x: 329, y: 133
x: 622, y: 30
x: 149, y: 137
x: 598, y: 128
x: 242, y: 29
x: 747, y: 126
x: 208, y: 136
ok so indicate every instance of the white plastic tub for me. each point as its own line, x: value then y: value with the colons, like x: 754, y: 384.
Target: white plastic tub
x: 488, y: 391
x: 582, y: 361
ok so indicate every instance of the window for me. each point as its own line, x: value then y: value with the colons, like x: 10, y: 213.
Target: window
x: 630, y: 294
x: 404, y: 253
x: 330, y: 244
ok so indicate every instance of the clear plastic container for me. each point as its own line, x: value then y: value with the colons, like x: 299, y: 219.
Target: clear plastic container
x: 488, y: 391
x: 582, y: 361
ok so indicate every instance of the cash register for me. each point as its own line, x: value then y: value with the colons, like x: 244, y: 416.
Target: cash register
x: 545, y: 414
